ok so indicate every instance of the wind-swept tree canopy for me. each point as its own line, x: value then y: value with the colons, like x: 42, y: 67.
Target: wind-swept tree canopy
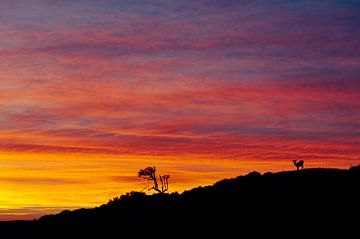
x: 149, y: 174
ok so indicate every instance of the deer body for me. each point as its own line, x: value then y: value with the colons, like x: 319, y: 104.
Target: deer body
x: 299, y: 164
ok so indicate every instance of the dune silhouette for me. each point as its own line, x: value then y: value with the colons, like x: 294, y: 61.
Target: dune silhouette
x: 309, y: 202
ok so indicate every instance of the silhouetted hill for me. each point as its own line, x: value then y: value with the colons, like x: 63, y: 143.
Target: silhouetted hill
x: 308, y: 202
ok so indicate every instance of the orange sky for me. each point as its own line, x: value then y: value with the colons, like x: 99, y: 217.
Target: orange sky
x: 92, y: 91
x: 34, y: 184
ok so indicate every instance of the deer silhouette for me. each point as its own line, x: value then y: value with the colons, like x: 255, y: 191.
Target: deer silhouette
x: 299, y: 164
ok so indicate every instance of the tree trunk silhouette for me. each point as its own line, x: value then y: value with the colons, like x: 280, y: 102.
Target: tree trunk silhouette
x: 149, y: 174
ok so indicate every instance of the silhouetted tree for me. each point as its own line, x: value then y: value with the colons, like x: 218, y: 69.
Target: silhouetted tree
x: 149, y: 174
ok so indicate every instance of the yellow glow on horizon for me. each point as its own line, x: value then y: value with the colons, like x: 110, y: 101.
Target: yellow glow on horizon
x: 33, y: 184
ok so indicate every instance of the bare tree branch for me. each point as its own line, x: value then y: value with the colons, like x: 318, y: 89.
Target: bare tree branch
x: 149, y: 174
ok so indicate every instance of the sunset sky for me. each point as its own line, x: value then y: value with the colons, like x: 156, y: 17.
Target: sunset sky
x: 92, y: 91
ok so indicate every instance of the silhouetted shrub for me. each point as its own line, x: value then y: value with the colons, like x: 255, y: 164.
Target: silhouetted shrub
x: 355, y: 169
x: 253, y: 173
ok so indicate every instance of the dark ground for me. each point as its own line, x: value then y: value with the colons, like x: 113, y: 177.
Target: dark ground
x: 308, y: 203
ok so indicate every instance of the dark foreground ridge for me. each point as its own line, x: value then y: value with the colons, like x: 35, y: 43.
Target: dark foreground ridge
x: 309, y: 202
